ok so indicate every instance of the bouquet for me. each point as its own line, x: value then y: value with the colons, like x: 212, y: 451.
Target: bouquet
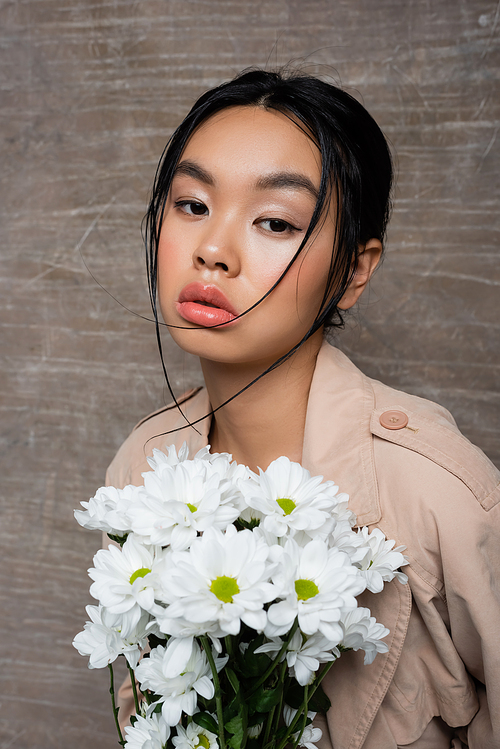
x: 230, y: 594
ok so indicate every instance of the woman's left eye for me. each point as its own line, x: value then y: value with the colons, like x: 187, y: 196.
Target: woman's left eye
x: 277, y: 226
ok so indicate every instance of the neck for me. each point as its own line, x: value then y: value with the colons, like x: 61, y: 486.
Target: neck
x: 268, y: 419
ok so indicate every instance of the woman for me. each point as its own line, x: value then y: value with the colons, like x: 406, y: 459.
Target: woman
x: 266, y: 223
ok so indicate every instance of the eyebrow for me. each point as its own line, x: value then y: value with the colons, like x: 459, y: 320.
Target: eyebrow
x: 190, y: 169
x: 289, y: 181
x: 274, y: 181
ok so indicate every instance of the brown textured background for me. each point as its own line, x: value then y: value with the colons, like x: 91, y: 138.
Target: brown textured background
x: 90, y: 91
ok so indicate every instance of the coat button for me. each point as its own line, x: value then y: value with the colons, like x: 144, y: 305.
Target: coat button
x: 393, y: 419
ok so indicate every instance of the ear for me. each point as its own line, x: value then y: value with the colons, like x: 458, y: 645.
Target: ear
x: 368, y: 259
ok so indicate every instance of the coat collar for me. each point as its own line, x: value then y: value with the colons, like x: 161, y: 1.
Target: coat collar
x: 338, y: 443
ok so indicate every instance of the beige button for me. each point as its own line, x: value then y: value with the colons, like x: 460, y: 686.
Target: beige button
x: 393, y: 420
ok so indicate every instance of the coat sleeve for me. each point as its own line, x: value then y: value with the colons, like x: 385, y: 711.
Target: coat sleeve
x: 470, y: 550
x: 440, y: 497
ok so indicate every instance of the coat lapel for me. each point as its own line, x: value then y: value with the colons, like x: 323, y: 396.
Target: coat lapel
x: 338, y: 444
x: 337, y: 440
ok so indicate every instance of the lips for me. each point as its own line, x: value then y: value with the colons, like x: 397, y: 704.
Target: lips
x: 204, y: 305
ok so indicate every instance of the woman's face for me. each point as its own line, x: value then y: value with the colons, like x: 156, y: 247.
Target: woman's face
x: 240, y: 203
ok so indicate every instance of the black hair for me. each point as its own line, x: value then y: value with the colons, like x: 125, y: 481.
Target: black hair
x: 356, y: 172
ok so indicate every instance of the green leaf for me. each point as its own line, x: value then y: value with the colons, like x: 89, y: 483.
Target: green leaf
x: 118, y: 539
x: 236, y: 726
x: 294, y: 695
x: 233, y: 679
x: 265, y: 699
x: 206, y: 721
x: 234, y: 708
x: 256, y: 718
x: 319, y: 702
x: 255, y: 664
x: 154, y: 641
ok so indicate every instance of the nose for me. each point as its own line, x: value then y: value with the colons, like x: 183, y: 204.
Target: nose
x: 218, y: 248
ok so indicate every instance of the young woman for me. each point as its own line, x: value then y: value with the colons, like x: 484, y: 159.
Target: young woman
x: 266, y: 223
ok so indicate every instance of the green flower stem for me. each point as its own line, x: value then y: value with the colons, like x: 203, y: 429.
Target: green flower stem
x: 134, y: 687
x: 307, y: 696
x: 228, y: 641
x: 115, y: 709
x: 278, y: 712
x: 276, y: 661
x: 267, y: 729
x: 320, y: 678
x: 293, y: 724
x: 304, y: 716
x: 218, y: 698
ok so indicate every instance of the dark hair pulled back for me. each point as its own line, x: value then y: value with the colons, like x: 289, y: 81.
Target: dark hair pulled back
x: 356, y: 171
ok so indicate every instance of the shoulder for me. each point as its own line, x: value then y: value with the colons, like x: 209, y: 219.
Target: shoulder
x: 429, y: 430
x: 373, y: 436
x: 160, y: 429
x: 438, y: 493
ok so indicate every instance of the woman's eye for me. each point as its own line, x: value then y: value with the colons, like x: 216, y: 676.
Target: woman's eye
x: 192, y: 207
x: 277, y: 226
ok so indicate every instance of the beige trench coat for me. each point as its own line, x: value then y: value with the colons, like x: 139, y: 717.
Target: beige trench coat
x: 428, y: 488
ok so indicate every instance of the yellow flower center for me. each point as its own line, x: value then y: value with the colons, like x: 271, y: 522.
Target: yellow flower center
x: 203, y: 742
x: 139, y: 573
x: 193, y: 508
x: 306, y: 589
x: 286, y: 504
x: 224, y: 588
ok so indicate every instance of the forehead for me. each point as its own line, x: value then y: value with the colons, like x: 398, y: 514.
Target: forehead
x: 252, y: 141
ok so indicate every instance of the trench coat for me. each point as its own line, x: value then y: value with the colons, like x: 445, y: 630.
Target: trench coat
x: 409, y: 472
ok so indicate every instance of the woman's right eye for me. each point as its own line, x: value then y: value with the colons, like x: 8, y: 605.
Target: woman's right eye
x: 192, y: 207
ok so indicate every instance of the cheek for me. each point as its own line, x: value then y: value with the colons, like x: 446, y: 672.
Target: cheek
x: 168, y: 267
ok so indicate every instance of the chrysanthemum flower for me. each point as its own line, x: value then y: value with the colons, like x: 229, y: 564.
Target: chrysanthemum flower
x: 303, y: 654
x: 290, y: 500
x: 125, y: 580
x: 363, y: 632
x: 147, y: 733
x: 318, y: 584
x: 107, y: 510
x: 381, y: 561
x: 194, y: 737
x: 171, y: 457
x: 103, y: 641
x: 222, y: 580
x: 310, y: 735
x: 178, y: 673
x: 180, y: 501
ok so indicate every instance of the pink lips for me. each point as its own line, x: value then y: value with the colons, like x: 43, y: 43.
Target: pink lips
x: 205, y: 305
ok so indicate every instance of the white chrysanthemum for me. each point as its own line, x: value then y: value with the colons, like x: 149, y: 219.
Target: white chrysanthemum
x: 254, y: 732
x: 181, y: 501
x: 310, y: 735
x: 107, y: 510
x: 171, y: 457
x: 126, y: 581
x: 221, y: 581
x: 381, y: 561
x: 290, y: 500
x: 178, y: 673
x: 343, y: 537
x: 341, y: 511
x: 147, y: 733
x: 103, y: 641
x: 318, y: 585
x: 303, y: 654
x: 194, y: 737
x: 363, y: 632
